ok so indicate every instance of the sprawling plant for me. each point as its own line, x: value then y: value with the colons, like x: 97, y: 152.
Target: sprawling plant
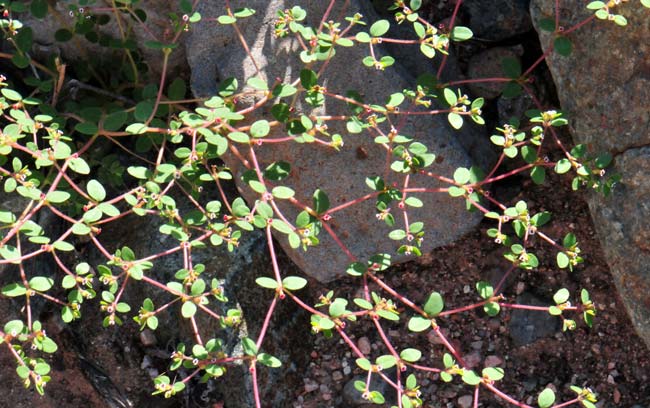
x: 49, y: 162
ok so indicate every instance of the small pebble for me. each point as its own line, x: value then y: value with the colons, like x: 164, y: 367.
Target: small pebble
x: 337, y: 376
x: 310, y: 386
x: 465, y: 401
x: 347, y: 370
x: 148, y: 338
x: 472, y: 359
x: 521, y: 286
x: 364, y: 345
x: 493, y: 361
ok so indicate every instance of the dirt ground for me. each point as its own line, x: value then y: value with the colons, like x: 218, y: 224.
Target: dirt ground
x: 609, y: 357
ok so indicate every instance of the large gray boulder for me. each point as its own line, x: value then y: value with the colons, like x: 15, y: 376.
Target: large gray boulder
x: 215, y: 53
x: 604, y: 86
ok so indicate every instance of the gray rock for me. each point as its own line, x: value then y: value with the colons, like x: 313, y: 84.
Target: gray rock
x: 498, y: 19
x: 599, y: 85
x: 488, y: 64
x: 527, y: 326
x: 214, y: 52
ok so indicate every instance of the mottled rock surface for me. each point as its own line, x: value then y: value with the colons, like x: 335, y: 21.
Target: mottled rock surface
x: 488, y: 64
x: 527, y: 326
x: 213, y: 53
x: 498, y: 19
x: 604, y: 86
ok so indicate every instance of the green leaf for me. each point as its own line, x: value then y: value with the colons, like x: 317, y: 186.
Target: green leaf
x: 563, y: 46
x: 492, y: 309
x: 364, y: 304
x: 620, y: 20
x: 260, y: 128
x: 282, y: 192
x: 446, y: 377
x: 561, y: 296
x: 376, y: 397
x: 14, y: 327
x: 239, y: 137
x: 226, y: 19
x: 86, y: 128
x: 308, y: 79
x: 493, y: 373
x: 397, y: 234
x: 63, y: 35
x: 362, y: 37
x: 538, y: 174
x: 455, y: 120
x: 485, y: 290
x: 434, y: 304
x: 11, y: 94
x: 364, y: 364
x: 38, y: 8
x: 411, y: 355
x: 14, y: 290
x: 277, y: 171
x: 96, y: 190
x: 450, y: 96
x: 188, y: 309
x: 79, y: 165
x: 512, y: 90
x: 419, y: 324
x: 511, y: 67
x: 244, y: 12
x: 321, y: 201
x: 356, y: 269
x: 266, y: 282
x: 326, y: 323
x: 379, y: 28
x: 562, y: 260
x: 57, y: 197
x: 386, y: 361
x: 177, y: 89
x: 471, y: 378
x: 41, y: 283
x: 546, y: 398
x: 48, y: 345
x: 461, y: 175
x: 268, y: 360
x: 547, y: 24
x: 115, y: 121
x: 258, y: 83
x: 249, y: 346
x: 137, y: 128
x: 10, y: 253
x: 562, y: 166
x: 143, y: 110
x: 460, y: 33
x: 294, y: 282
